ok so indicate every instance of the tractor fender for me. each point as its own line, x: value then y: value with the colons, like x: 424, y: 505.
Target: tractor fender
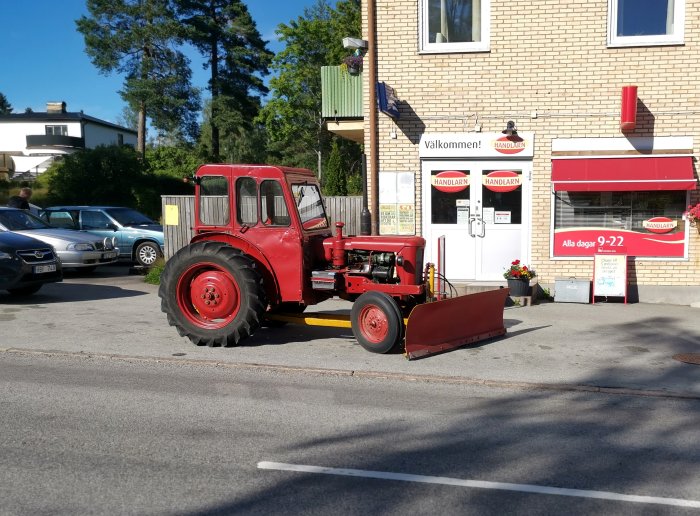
x: 272, y: 288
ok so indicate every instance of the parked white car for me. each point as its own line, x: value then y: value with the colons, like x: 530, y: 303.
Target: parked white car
x: 75, y: 248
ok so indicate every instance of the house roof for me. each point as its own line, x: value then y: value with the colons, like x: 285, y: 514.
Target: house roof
x: 61, y: 117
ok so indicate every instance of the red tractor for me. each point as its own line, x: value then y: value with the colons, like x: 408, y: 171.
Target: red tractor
x: 263, y: 249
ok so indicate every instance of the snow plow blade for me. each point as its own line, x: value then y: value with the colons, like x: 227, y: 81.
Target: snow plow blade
x: 453, y: 323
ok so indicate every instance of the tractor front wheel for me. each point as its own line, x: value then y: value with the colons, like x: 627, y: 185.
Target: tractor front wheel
x: 376, y: 322
x: 213, y: 294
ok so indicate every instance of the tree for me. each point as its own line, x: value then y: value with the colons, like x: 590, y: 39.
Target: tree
x: 293, y: 115
x: 5, y: 107
x: 226, y: 35
x: 140, y: 39
x: 335, y: 179
x: 104, y: 175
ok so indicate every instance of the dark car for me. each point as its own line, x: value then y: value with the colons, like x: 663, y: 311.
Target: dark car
x: 26, y: 264
x: 138, y: 238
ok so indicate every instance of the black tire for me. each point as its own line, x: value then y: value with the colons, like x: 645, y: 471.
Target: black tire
x: 24, y: 291
x: 147, y: 253
x: 376, y: 322
x: 212, y: 294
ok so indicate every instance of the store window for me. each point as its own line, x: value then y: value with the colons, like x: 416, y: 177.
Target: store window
x: 454, y: 25
x: 639, y: 223
x: 645, y: 22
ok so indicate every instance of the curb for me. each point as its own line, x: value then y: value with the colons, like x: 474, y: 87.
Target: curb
x: 454, y: 380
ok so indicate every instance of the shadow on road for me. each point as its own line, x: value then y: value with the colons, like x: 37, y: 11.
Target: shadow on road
x: 70, y: 292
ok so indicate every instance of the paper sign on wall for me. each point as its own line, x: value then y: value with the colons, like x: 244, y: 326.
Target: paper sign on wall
x: 171, y: 215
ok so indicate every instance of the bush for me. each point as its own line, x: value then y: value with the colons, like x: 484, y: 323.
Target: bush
x: 155, y: 271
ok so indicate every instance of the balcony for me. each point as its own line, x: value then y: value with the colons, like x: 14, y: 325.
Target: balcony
x: 54, y: 141
x: 342, y: 102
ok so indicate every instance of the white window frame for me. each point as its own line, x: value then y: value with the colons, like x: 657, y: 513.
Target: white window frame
x: 676, y: 37
x: 426, y: 47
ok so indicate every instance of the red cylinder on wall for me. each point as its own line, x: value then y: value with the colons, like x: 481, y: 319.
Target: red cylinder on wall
x: 628, y: 118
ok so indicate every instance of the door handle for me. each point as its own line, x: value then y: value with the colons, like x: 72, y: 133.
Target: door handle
x: 471, y: 222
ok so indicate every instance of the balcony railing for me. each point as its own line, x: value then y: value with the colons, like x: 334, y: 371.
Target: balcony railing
x: 341, y: 93
x: 45, y: 141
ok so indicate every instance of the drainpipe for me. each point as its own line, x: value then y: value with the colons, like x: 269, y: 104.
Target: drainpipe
x: 373, y: 142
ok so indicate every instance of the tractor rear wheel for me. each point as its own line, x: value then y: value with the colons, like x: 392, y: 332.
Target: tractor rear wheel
x: 212, y: 294
x: 376, y: 322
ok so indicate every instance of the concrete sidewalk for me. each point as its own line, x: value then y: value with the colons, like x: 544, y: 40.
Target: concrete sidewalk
x: 548, y: 345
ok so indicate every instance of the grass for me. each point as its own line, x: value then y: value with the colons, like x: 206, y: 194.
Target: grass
x: 153, y: 274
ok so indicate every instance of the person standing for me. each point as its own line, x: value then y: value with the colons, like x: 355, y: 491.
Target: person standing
x: 21, y: 201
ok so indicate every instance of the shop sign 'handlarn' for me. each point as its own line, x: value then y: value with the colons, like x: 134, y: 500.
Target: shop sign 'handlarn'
x: 450, y: 181
x: 476, y: 145
x: 502, y: 180
x: 660, y: 225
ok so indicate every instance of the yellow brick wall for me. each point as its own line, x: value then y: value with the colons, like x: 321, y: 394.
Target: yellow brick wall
x: 549, y: 57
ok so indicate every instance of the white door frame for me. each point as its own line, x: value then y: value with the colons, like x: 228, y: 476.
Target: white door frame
x: 474, y: 249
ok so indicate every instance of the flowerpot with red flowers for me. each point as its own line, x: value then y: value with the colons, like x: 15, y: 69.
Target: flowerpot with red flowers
x: 518, y: 276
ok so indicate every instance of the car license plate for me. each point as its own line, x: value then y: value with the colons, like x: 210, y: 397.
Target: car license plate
x: 106, y: 256
x: 39, y: 269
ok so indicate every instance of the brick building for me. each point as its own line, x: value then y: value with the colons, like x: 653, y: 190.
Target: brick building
x: 582, y: 174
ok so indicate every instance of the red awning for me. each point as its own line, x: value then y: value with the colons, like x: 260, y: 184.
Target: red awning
x: 623, y: 174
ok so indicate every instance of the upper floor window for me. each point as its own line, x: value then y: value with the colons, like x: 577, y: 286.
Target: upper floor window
x: 454, y: 25
x: 57, y: 130
x: 645, y: 22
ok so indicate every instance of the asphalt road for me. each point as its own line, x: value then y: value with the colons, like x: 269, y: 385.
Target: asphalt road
x: 81, y: 435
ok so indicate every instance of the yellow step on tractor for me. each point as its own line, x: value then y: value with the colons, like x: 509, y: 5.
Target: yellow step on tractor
x: 264, y: 249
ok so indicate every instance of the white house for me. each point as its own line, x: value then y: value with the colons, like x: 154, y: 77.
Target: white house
x: 30, y: 142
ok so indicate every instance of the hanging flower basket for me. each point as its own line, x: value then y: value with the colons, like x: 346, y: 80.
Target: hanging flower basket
x: 353, y: 64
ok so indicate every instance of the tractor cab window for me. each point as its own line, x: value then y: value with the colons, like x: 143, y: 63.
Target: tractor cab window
x: 310, y: 206
x: 213, y: 201
x: 272, y: 205
x: 247, y: 201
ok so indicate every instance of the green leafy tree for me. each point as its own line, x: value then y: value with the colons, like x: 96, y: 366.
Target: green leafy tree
x: 140, y: 39
x: 104, y: 175
x: 297, y: 133
x: 236, y: 55
x: 172, y: 161
x: 5, y: 107
x: 335, y: 179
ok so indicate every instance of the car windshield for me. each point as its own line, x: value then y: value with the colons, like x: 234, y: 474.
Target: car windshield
x: 129, y: 217
x: 20, y: 220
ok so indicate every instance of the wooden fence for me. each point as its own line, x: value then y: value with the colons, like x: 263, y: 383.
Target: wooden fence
x: 347, y: 209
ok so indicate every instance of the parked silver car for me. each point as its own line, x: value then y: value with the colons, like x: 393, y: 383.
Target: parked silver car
x: 74, y: 248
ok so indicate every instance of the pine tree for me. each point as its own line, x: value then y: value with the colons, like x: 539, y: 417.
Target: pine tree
x: 5, y: 107
x: 140, y: 39
x: 335, y: 178
x: 226, y: 35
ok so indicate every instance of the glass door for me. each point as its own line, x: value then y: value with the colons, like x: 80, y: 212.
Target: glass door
x: 482, y: 208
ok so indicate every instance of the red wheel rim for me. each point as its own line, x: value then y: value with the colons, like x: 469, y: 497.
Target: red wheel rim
x: 208, y: 296
x: 374, y: 324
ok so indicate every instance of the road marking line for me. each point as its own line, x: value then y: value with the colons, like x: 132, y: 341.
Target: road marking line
x: 480, y: 484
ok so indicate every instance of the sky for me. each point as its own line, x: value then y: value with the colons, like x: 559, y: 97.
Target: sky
x: 42, y: 55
